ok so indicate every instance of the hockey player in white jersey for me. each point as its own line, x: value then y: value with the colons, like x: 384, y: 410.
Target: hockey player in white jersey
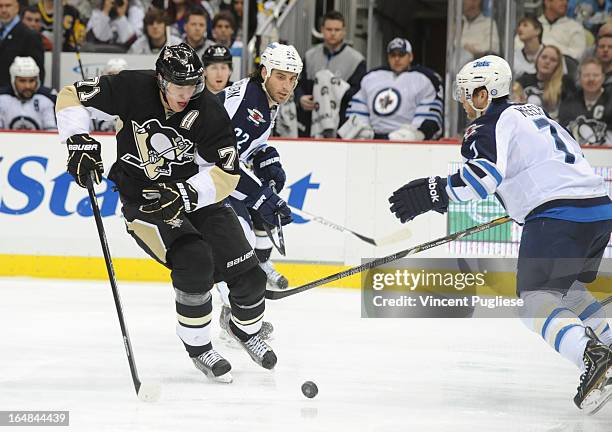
x: 541, y: 177
x: 252, y: 104
x: 26, y: 104
x: 400, y: 101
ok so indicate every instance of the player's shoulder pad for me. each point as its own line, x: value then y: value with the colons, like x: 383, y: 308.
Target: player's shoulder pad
x: 432, y: 75
x: 7, y: 90
x: 479, y: 139
x: 47, y: 92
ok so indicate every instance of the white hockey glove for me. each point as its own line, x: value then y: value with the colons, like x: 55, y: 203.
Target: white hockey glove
x: 407, y: 132
x: 356, y: 127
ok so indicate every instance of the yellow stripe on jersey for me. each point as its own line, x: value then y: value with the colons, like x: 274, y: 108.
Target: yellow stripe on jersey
x: 67, y: 98
x: 224, y: 182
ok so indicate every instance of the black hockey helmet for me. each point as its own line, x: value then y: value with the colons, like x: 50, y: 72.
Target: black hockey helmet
x: 217, y: 54
x: 180, y: 65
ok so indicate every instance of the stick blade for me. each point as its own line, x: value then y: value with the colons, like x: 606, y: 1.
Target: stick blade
x: 149, y: 392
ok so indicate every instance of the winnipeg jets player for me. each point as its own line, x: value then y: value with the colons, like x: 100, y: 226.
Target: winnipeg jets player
x: 400, y: 101
x: 252, y: 104
x: 26, y: 104
x: 542, y: 178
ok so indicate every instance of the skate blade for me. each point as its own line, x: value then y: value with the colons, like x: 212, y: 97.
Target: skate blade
x: 226, y: 378
x: 598, y: 397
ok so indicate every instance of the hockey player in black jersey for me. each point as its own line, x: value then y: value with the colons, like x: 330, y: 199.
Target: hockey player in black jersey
x: 176, y: 163
x: 217, y: 61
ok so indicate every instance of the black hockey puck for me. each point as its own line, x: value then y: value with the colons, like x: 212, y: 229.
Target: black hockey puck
x: 309, y: 389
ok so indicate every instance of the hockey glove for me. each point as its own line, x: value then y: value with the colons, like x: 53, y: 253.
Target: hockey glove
x: 268, y: 205
x: 419, y: 196
x: 169, y: 200
x: 267, y: 166
x: 84, y: 158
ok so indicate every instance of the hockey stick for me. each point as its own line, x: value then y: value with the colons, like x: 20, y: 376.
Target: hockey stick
x: 279, y: 294
x: 395, y: 237
x: 280, y: 246
x: 145, y: 392
x: 78, y: 53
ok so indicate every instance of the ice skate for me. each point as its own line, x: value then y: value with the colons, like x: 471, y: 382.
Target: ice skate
x: 275, y: 279
x: 265, y: 333
x: 595, y: 387
x: 256, y: 347
x: 213, y: 366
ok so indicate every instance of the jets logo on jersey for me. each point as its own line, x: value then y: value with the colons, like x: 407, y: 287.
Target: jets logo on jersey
x: 471, y: 130
x: 159, y: 147
x: 256, y: 116
x: 24, y: 123
x: 386, y: 102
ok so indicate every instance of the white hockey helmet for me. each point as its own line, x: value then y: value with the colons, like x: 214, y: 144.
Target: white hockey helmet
x: 24, y: 67
x: 281, y: 57
x: 114, y: 66
x: 491, y: 72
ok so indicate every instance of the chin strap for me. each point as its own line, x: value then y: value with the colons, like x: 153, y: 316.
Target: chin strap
x: 479, y: 112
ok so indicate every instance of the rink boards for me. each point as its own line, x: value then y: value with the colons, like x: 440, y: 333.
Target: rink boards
x: 47, y: 229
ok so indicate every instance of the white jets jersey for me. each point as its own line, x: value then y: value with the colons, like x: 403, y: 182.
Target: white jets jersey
x: 389, y: 101
x: 37, y: 113
x: 526, y: 158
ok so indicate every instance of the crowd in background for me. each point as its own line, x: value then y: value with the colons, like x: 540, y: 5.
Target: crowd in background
x: 562, y: 62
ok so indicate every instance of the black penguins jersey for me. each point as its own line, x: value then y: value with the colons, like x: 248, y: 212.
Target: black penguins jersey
x: 253, y: 121
x: 155, y: 145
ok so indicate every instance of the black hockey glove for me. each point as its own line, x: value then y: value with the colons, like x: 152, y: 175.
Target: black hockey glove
x: 419, y: 196
x: 84, y: 158
x: 268, y: 205
x: 169, y: 200
x: 267, y: 166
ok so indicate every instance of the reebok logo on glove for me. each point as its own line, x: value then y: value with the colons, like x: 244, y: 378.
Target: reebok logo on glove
x: 433, y: 192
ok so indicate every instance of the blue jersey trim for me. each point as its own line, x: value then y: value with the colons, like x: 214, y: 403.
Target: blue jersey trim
x: 489, y: 168
x: 474, y: 183
x: 577, y: 214
x: 592, y: 309
x: 561, y: 333
x: 552, y: 315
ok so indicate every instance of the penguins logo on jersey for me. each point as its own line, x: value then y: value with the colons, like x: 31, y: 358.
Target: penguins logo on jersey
x: 256, y: 116
x: 386, y: 102
x: 159, y: 147
x: 588, y: 131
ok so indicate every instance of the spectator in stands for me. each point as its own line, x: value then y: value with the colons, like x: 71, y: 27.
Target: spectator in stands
x: 333, y: 55
x: 217, y: 61
x: 588, y: 113
x: 561, y: 31
x: 195, y: 31
x: 236, y: 7
x: 549, y: 86
x: 603, y: 52
x: 224, y: 28
x: 17, y: 40
x: 590, y: 13
x: 74, y: 29
x: 155, y: 37
x: 479, y: 33
x: 177, y: 11
x: 25, y: 104
x: 32, y: 20
x: 117, y: 22
x: 529, y: 32
x: 399, y: 101
x: 109, y: 123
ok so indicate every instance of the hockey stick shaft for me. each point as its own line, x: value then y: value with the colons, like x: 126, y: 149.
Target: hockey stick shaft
x: 77, y: 51
x: 334, y: 225
x: 113, y: 283
x: 278, y: 294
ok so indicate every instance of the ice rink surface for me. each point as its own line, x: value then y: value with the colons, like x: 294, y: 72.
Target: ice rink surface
x: 61, y: 349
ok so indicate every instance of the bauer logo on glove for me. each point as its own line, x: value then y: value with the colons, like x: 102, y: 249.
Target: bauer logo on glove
x: 84, y: 158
